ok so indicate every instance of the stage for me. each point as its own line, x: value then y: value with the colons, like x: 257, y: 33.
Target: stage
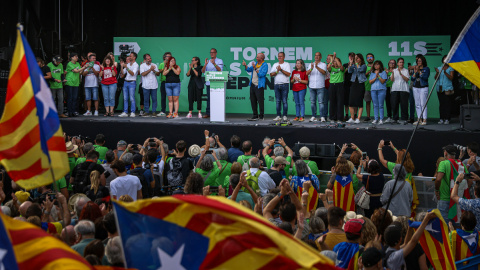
x: 426, y: 147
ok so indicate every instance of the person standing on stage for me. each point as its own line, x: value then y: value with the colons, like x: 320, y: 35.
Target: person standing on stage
x: 299, y: 79
x: 357, y: 87
x: 91, y: 84
x: 163, y: 93
x: 56, y: 83
x: 172, y: 87
x: 72, y: 75
x: 378, y: 81
x: 368, y: 86
x: 214, y: 64
x: 257, y: 85
x: 420, y: 88
x: 336, y: 90
x: 347, y: 83
x: 108, y: 74
x: 392, y: 64
x: 131, y: 70
x: 281, y: 72
x: 195, y: 87
x: 149, y: 74
x: 400, y: 92
x: 316, y: 72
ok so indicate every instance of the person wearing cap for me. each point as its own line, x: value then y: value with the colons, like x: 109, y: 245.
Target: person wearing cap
x: 275, y: 172
x: 304, y: 155
x: 444, y: 180
x: 72, y: 77
x: 395, y: 254
x: 349, y: 251
x: 91, y: 84
x: 371, y: 259
x: 56, y: 83
x: 278, y: 151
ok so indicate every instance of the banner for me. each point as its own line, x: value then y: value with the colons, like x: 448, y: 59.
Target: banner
x: 233, y: 50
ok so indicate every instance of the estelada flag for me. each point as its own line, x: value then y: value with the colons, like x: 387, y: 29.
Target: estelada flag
x: 436, y: 243
x: 32, y: 147
x: 197, y: 232
x: 464, y: 244
x: 312, y: 197
x: 25, y: 246
x: 464, y: 56
x: 343, y: 193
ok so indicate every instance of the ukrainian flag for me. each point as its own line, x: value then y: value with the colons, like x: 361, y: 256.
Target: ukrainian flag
x: 464, y: 56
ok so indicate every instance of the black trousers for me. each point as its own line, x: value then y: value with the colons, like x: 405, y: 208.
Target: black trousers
x: 336, y: 94
x: 163, y: 97
x: 117, y: 95
x: 257, y: 99
x: 194, y: 95
x: 140, y: 91
x: 445, y: 105
x: 399, y: 99
x: 389, y: 104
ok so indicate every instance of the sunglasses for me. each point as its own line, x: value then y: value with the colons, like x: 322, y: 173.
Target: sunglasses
x: 369, y: 57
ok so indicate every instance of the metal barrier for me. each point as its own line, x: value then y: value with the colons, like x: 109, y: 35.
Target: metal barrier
x: 425, y: 189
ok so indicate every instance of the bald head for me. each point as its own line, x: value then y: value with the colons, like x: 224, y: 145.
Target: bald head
x: 23, y: 208
x: 68, y: 235
x: 254, y: 162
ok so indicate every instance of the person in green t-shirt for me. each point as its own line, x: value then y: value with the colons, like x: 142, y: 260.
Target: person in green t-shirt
x: 304, y: 155
x: 208, y: 170
x: 278, y: 151
x: 72, y: 77
x: 56, y: 83
x: 368, y: 86
x: 247, y: 154
x: 163, y: 93
x: 336, y: 89
x: 225, y: 171
x: 102, y: 150
x: 392, y: 64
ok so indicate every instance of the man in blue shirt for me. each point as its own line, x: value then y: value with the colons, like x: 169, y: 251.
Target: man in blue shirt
x: 214, y: 64
x: 257, y: 85
x: 234, y: 152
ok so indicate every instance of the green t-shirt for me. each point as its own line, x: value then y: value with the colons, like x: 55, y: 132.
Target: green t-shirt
x: 311, y: 164
x: 368, y: 86
x: 72, y: 162
x: 83, y: 159
x: 61, y: 183
x: 225, y: 172
x: 336, y: 75
x: 212, y: 177
x: 391, y: 165
x: 445, y: 167
x: 102, y: 151
x: 57, y: 72
x: 389, y: 81
x: 242, y: 159
x: 270, y: 161
x: 73, y: 79
x: 162, y: 77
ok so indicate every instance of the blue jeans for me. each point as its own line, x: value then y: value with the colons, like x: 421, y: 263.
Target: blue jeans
x: 109, y: 94
x: 318, y: 94
x: 443, y: 207
x: 172, y: 89
x: 91, y: 93
x: 378, y: 98
x: 146, y: 102
x: 281, y: 96
x: 299, y: 97
x: 72, y: 96
x: 129, y: 95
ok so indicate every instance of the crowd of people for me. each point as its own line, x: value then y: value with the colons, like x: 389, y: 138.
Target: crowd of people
x: 339, y: 89
x: 275, y: 182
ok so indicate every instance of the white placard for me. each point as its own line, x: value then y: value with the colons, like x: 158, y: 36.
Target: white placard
x: 217, y: 104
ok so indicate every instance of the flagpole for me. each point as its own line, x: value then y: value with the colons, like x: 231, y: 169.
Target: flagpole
x: 408, y: 146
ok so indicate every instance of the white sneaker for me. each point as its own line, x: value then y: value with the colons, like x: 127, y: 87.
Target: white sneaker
x: 278, y: 118
x: 322, y: 119
x: 96, y: 113
x: 124, y: 114
x: 88, y: 113
x: 374, y: 121
x: 189, y: 115
x: 200, y: 115
x: 313, y: 119
x: 381, y: 122
x: 441, y: 122
x: 141, y: 113
x: 132, y: 114
x: 351, y: 120
x: 388, y: 120
x: 161, y: 114
x: 357, y: 121
x: 285, y: 118
x: 446, y: 122
x: 423, y: 123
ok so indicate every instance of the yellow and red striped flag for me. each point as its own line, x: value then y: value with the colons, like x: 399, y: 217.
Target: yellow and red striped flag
x: 197, y: 232
x: 464, y: 244
x: 312, y: 197
x: 343, y: 195
x: 32, y: 147
x: 25, y: 246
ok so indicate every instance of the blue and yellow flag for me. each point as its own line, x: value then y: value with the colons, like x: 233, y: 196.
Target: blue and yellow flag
x: 197, y: 232
x: 436, y: 242
x: 32, y: 147
x: 464, y: 56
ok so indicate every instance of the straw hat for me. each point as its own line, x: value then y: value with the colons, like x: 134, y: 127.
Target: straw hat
x: 194, y: 150
x: 71, y: 147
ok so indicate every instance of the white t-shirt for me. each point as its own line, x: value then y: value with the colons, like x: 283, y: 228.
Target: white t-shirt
x: 316, y: 79
x: 125, y: 185
x: 133, y: 67
x: 280, y: 78
x: 149, y: 81
x: 399, y: 84
x: 265, y: 182
x: 91, y: 80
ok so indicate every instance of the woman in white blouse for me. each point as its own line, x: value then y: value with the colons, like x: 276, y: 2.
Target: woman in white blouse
x: 400, y: 92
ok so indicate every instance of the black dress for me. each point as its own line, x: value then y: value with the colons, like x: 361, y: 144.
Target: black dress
x: 195, y: 89
x: 357, y: 91
x: 375, y: 186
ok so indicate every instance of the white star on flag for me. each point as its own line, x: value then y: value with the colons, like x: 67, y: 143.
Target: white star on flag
x: 3, y: 252
x: 470, y: 239
x: 45, y: 96
x: 171, y: 262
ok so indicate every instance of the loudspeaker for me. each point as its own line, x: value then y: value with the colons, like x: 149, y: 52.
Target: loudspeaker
x: 326, y: 150
x: 470, y: 117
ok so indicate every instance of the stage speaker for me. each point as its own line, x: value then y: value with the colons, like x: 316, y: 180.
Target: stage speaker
x: 470, y: 117
x: 326, y: 150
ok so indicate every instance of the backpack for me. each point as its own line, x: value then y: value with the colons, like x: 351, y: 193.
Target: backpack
x: 146, y: 188
x: 252, y: 180
x: 245, y: 165
x: 82, y: 179
x: 174, y: 175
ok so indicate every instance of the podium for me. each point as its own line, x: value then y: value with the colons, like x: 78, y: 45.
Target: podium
x: 218, y: 84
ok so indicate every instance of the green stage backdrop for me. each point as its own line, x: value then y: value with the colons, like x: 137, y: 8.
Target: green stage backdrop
x: 234, y: 50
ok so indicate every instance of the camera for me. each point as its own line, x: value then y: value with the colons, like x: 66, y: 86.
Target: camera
x: 349, y: 145
x: 107, y: 174
x: 151, y: 140
x: 208, y: 152
x: 460, y: 147
x: 125, y: 50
